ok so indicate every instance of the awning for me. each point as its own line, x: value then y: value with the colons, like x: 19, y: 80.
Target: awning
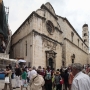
x: 14, y: 60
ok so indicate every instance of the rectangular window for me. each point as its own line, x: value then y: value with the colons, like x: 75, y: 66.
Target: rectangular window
x: 82, y: 45
x: 78, y: 42
x: 26, y: 48
x: 72, y: 34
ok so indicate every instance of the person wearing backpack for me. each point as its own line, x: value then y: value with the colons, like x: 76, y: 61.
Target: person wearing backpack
x: 48, y: 78
x: 57, y: 81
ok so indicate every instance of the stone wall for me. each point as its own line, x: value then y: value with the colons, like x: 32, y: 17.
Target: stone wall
x: 19, y: 49
x: 70, y: 47
x: 41, y: 45
x: 80, y: 56
x: 67, y: 30
x: 33, y: 36
x: 24, y: 30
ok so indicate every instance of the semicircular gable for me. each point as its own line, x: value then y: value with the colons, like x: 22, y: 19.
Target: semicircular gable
x: 40, y: 12
x: 49, y: 6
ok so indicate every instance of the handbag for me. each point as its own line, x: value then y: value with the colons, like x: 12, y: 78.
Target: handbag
x: 7, y: 80
x: 61, y: 81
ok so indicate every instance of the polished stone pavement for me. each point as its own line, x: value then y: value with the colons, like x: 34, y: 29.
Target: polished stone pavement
x: 2, y: 86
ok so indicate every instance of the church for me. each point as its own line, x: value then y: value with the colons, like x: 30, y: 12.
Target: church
x: 46, y: 38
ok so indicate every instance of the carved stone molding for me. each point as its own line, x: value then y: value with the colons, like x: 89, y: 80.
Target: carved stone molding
x: 51, y: 54
x: 51, y: 58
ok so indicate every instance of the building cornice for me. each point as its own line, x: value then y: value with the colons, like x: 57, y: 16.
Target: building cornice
x: 20, y: 39
x: 43, y: 35
x: 24, y: 23
x: 73, y: 29
x: 38, y: 34
x: 75, y: 45
x: 33, y: 13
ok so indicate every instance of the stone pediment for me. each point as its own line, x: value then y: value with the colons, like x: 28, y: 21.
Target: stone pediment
x: 49, y: 6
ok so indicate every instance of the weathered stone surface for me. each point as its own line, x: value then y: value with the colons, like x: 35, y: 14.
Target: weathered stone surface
x: 33, y: 42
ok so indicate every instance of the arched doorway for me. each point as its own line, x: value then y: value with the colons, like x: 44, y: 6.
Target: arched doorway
x: 51, y: 63
x: 50, y: 59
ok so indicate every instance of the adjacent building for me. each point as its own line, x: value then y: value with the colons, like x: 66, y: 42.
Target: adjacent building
x: 5, y: 38
x: 4, y: 29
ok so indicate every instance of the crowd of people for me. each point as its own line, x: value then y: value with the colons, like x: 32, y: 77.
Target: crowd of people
x: 74, y: 77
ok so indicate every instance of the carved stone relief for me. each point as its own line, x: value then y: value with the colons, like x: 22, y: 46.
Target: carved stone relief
x: 49, y: 44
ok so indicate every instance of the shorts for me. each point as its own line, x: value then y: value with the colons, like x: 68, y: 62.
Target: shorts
x: 23, y: 82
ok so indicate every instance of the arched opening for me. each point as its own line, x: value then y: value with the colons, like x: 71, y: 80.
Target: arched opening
x: 51, y: 63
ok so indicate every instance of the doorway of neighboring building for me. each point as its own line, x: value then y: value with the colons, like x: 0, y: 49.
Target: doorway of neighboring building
x: 51, y: 63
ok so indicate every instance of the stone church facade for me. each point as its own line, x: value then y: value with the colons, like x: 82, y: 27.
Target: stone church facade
x: 45, y: 38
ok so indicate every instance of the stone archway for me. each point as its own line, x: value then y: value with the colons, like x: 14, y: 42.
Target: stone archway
x: 50, y: 59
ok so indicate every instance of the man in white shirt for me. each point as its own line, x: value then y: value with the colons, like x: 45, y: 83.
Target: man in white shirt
x: 81, y: 81
x: 28, y: 76
x: 32, y: 72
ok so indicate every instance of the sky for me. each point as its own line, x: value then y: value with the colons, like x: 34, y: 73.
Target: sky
x: 76, y: 11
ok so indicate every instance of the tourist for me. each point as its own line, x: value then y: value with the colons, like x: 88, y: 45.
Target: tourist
x: 17, y: 77
x: 33, y: 71
x: 24, y: 79
x: 36, y: 82
x: 48, y: 78
x: 29, y: 72
x: 70, y: 79
x: 89, y: 72
x: 57, y: 81
x: 81, y: 81
x: 66, y: 76
x: 53, y: 79
x: 8, y: 73
x: 40, y: 71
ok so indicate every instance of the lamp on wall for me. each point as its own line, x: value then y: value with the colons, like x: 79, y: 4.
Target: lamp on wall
x: 73, y: 56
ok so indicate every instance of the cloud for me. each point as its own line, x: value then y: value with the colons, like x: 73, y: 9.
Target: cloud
x: 19, y: 10
x: 76, y: 11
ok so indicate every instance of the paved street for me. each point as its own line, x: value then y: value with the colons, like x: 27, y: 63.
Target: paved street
x: 2, y: 85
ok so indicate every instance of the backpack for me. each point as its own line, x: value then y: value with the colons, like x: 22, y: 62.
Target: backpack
x: 48, y: 75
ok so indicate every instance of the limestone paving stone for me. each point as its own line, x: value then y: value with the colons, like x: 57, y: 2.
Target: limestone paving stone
x: 2, y: 86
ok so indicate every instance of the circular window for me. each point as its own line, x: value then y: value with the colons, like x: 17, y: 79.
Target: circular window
x: 50, y: 27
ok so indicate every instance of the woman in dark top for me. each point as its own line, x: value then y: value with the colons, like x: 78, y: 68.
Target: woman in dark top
x: 66, y: 76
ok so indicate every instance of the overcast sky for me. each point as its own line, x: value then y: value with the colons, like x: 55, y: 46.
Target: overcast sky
x: 76, y: 11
